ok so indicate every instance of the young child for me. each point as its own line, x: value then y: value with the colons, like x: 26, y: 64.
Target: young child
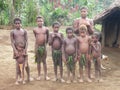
x: 69, y: 51
x: 56, y: 41
x: 96, y: 53
x: 41, y: 35
x: 20, y: 62
x: 84, y: 52
x: 19, y: 35
x: 83, y: 20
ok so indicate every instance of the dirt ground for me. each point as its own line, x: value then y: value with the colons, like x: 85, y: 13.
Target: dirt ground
x: 111, y: 75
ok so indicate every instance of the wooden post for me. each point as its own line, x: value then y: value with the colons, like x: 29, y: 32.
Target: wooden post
x: 103, y: 35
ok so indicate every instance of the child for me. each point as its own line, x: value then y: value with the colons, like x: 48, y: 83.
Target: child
x: 41, y: 35
x: 56, y: 41
x: 83, y: 20
x: 19, y: 35
x: 84, y: 54
x: 20, y: 62
x: 96, y: 53
x: 70, y: 53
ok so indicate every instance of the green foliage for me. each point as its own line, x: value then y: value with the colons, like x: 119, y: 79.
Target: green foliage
x: 28, y: 10
x: 59, y: 15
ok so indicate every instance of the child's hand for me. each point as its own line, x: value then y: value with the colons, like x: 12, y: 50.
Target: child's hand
x: 16, y: 53
x: 24, y: 52
x: 76, y: 59
x: 64, y: 60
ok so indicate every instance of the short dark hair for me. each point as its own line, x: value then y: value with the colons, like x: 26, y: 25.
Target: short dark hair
x: 39, y: 17
x: 84, y: 7
x: 55, y: 23
x: 96, y: 34
x: 69, y: 29
x: 17, y: 19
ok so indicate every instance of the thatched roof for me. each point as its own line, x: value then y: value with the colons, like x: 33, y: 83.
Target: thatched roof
x: 115, y: 7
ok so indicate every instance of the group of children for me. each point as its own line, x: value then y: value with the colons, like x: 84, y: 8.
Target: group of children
x: 81, y: 48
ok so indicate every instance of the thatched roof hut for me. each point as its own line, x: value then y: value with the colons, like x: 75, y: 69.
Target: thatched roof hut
x: 110, y: 20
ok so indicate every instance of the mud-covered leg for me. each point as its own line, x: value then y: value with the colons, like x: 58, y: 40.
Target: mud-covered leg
x: 68, y: 75
x: 61, y: 70
x: 81, y: 71
x: 99, y: 70
x: 17, y: 74
x: 45, y: 67
x: 87, y: 68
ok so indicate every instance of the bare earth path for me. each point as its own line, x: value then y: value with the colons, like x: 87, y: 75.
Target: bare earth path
x: 7, y: 70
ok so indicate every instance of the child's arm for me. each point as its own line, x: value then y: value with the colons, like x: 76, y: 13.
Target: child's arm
x: 26, y: 41
x: 78, y: 49
x: 50, y: 39
x: 47, y: 33
x: 63, y: 51
x: 13, y: 42
x: 96, y: 47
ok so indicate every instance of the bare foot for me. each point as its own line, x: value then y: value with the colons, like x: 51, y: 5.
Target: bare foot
x: 16, y: 83
x: 68, y: 81
x: 100, y: 80
x: 24, y: 82
x: 89, y: 80
x: 47, y: 78
x: 62, y: 80
x: 31, y: 79
x: 81, y: 80
x: 55, y: 79
x: 74, y: 81
x: 38, y: 78
x: 92, y: 76
x: 20, y: 80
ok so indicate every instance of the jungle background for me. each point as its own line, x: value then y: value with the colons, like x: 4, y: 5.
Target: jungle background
x: 63, y: 11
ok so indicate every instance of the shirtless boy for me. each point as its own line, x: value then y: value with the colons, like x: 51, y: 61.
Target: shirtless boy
x: 96, y: 53
x: 83, y: 20
x: 41, y: 35
x: 56, y: 41
x: 83, y: 55
x: 18, y: 35
x: 70, y: 54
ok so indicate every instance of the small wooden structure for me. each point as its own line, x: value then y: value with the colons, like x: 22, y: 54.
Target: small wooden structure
x: 110, y: 20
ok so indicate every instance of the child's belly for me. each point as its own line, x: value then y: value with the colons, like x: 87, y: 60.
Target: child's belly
x: 21, y: 60
x: 70, y: 50
x: 84, y: 49
x: 56, y: 44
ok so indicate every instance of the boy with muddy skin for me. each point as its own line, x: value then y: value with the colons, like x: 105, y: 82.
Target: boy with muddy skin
x: 41, y: 34
x: 19, y: 36
x: 84, y: 52
x: 56, y: 41
x: 69, y: 52
x: 96, y: 55
x: 83, y: 20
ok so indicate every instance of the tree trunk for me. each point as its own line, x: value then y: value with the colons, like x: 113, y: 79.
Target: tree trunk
x: 12, y: 11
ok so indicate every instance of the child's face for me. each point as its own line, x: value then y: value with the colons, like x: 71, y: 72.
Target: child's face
x: 56, y: 28
x: 40, y: 22
x: 94, y: 38
x: 17, y: 24
x: 82, y: 33
x: 69, y: 33
x: 84, y: 13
